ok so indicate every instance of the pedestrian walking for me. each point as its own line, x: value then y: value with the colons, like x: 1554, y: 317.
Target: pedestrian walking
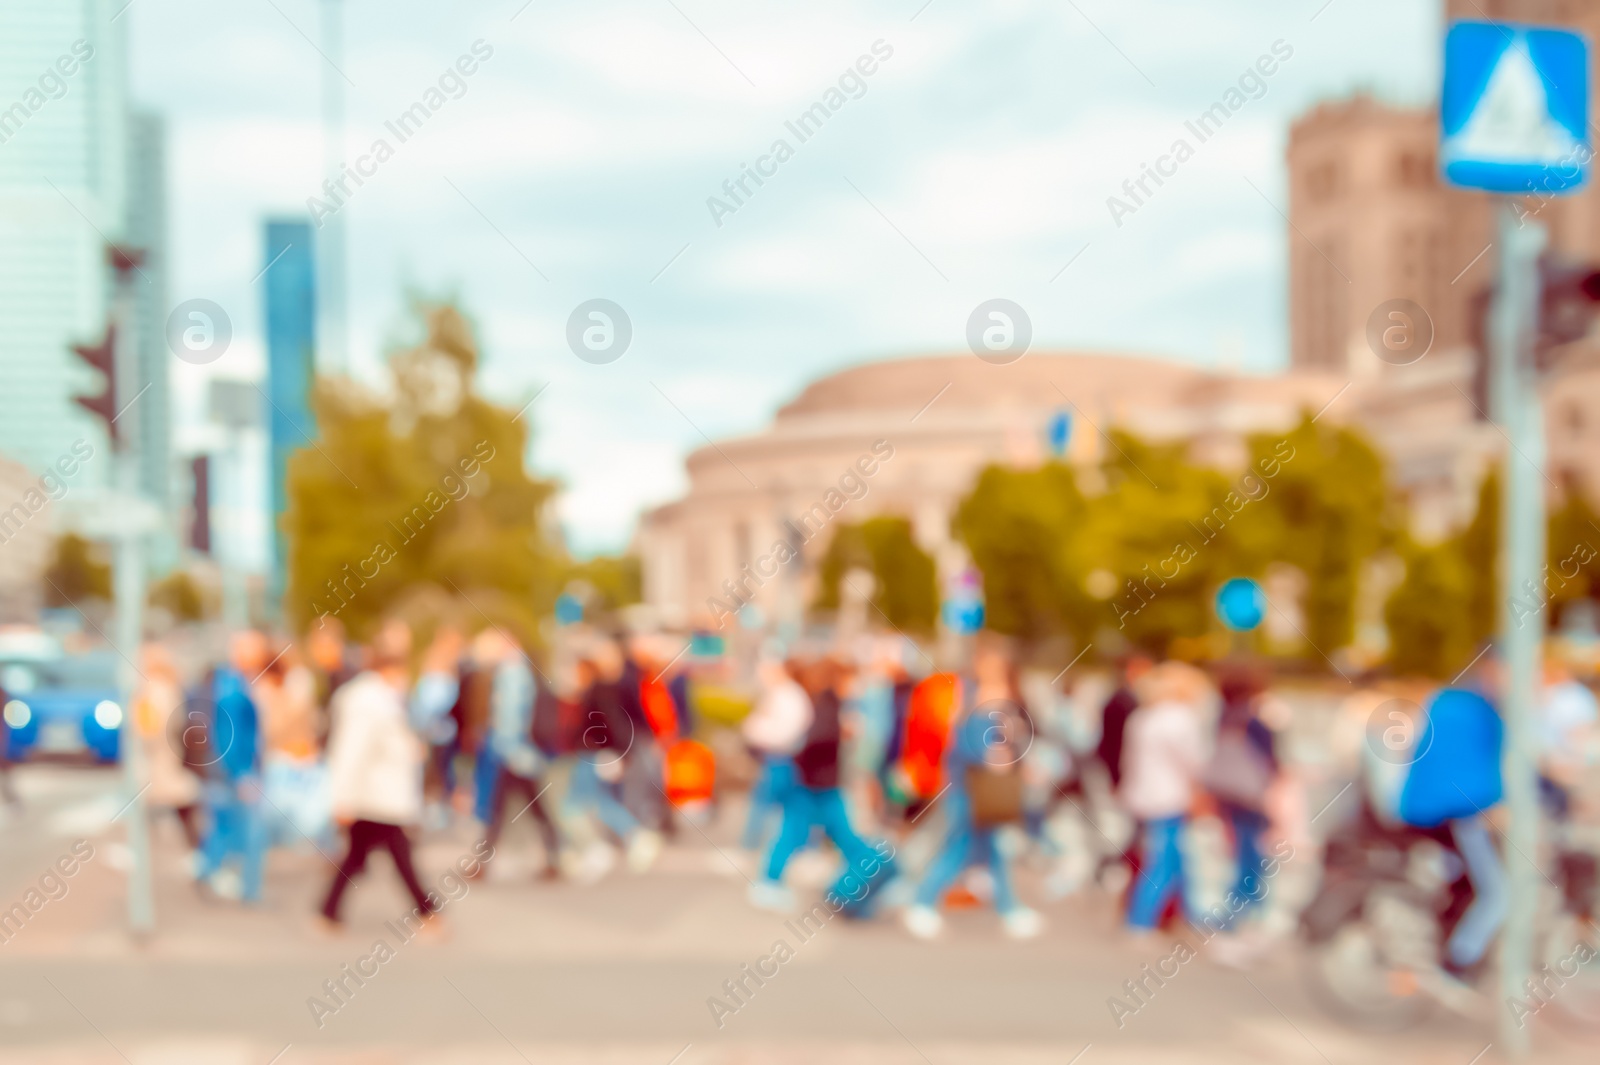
x: 1163, y: 754
x: 375, y: 770
x: 983, y: 792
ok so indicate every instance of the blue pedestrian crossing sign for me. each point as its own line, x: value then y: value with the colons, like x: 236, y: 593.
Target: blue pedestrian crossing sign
x: 1514, y: 112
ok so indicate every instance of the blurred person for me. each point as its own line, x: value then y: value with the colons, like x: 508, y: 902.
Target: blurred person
x: 1164, y: 751
x: 375, y: 764
x: 293, y: 780
x: 989, y: 736
x: 605, y: 742
x: 643, y: 770
x: 472, y: 714
x: 774, y: 730
x: 332, y: 659
x: 1453, y: 781
x: 1566, y: 727
x: 1240, y: 775
x: 514, y: 700
x: 234, y: 849
x: 814, y: 800
x: 1116, y: 712
x: 434, y: 696
x: 172, y: 784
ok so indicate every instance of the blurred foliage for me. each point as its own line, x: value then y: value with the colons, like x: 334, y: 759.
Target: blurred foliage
x: 1021, y: 528
x: 417, y: 493
x: 616, y: 580
x: 1142, y: 544
x: 180, y: 595
x: 1428, y: 613
x: 906, y: 589
x: 78, y: 571
x: 1330, y: 509
x: 1574, y: 553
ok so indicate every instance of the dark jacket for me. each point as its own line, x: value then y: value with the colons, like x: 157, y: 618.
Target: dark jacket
x: 818, y: 760
x: 606, y: 724
x: 1113, y: 726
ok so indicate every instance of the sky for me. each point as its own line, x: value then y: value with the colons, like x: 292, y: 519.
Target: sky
x: 976, y: 161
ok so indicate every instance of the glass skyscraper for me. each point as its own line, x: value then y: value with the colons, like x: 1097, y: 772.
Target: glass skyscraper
x: 291, y: 320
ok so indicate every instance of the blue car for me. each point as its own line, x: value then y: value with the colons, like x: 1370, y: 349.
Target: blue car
x: 61, y: 707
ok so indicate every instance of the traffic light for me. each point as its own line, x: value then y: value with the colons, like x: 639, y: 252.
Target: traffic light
x: 1569, y: 299
x: 1567, y: 304
x: 200, y: 524
x: 102, y: 357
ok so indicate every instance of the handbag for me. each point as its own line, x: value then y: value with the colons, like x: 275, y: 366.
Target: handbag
x: 1238, y: 772
x: 996, y: 795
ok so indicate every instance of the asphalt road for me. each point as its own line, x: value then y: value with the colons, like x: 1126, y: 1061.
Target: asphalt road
x: 621, y: 970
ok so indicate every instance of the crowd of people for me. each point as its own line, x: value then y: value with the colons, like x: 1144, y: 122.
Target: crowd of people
x: 939, y: 781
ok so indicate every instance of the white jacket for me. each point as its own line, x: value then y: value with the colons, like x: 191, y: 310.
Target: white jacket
x: 1162, y: 755
x: 374, y: 759
x: 780, y: 720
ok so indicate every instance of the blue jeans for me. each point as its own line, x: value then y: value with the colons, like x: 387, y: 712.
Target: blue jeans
x: 237, y: 830
x: 967, y: 844
x: 1491, y: 894
x: 805, y: 808
x: 1247, y: 828
x: 767, y: 797
x: 589, y: 793
x: 1160, y: 873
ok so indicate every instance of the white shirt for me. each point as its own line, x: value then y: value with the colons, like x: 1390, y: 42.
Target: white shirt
x: 780, y: 719
x: 1162, y: 754
x: 374, y: 759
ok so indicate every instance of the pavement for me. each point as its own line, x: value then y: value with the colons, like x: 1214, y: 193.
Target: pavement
x: 618, y: 971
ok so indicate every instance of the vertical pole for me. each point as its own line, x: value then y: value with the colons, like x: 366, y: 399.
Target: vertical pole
x: 1516, y: 406
x: 129, y: 591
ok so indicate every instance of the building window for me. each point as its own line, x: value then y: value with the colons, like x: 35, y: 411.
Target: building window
x: 1322, y: 181
x: 1414, y: 170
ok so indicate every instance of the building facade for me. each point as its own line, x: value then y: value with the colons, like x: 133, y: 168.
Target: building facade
x: 63, y: 195
x: 908, y: 438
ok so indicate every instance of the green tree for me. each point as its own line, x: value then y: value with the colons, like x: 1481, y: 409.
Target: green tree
x: 906, y: 585
x: 78, y: 571
x: 1573, y: 553
x: 616, y: 579
x: 1021, y: 529
x: 1430, y: 627
x: 180, y: 595
x: 1479, y: 544
x: 1329, y: 509
x: 420, y: 490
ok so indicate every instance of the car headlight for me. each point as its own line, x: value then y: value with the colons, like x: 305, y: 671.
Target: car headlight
x: 17, y: 714
x: 107, y: 714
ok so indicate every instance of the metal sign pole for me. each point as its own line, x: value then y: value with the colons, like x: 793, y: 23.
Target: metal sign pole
x: 1516, y: 406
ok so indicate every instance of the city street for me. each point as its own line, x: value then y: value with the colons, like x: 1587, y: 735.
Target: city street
x: 620, y: 971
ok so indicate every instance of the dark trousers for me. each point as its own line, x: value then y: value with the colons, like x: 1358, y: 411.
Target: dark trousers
x: 526, y: 792
x: 366, y: 837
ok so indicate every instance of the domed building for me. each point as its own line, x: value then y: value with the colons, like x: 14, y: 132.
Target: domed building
x: 908, y: 437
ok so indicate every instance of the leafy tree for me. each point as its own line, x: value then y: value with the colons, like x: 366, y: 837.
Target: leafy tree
x: 180, y: 595
x: 1329, y: 510
x: 78, y: 571
x: 1021, y: 528
x: 905, y: 576
x: 1170, y: 531
x: 1573, y: 554
x: 616, y: 579
x: 1430, y: 627
x: 419, y: 490
x: 1479, y: 544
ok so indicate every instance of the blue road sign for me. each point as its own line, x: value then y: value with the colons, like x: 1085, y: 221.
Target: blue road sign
x: 569, y: 609
x: 1514, y: 113
x: 1241, y: 604
x: 1060, y: 432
